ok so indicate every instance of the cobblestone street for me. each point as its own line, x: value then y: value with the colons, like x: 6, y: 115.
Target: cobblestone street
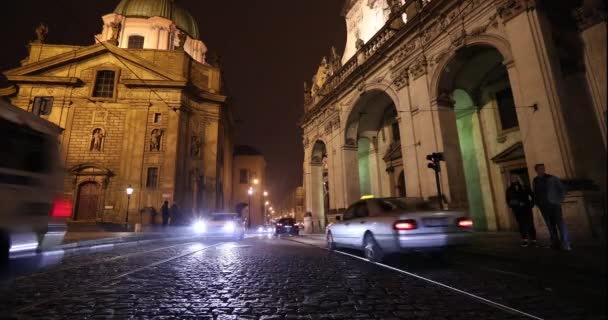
x: 271, y: 278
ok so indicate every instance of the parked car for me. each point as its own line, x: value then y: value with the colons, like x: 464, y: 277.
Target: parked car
x: 221, y: 225
x: 32, y: 211
x: 287, y: 226
x: 382, y: 226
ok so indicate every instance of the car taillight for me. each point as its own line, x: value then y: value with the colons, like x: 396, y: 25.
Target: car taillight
x: 405, y: 225
x: 465, y: 223
x: 62, y: 208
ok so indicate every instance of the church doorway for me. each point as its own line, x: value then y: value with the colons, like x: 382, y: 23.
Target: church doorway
x: 87, y: 203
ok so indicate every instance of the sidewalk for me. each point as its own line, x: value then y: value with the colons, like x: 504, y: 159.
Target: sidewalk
x: 584, y: 257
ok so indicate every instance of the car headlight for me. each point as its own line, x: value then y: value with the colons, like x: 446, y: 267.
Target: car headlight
x: 199, y: 227
x: 260, y: 229
x: 229, y: 227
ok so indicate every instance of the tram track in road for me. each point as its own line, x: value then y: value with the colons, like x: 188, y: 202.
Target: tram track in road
x: 111, y: 280
x: 486, y: 301
x: 100, y: 261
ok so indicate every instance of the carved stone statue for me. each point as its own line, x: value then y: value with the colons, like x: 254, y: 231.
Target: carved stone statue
x: 335, y: 61
x: 115, y: 26
x: 395, y: 6
x: 155, y: 139
x: 96, y: 140
x: 181, y: 37
x: 41, y: 32
x: 359, y: 44
x: 195, y: 146
x: 306, y: 92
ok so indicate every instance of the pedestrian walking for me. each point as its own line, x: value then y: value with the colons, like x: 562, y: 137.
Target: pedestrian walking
x: 521, y: 201
x: 549, y: 192
x: 164, y: 210
x: 175, y: 214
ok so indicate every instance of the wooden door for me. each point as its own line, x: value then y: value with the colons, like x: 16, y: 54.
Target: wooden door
x: 88, y: 201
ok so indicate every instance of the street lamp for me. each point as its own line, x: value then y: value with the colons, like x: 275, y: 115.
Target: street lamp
x: 265, y: 193
x: 129, y: 193
x: 256, y: 181
x: 250, y: 193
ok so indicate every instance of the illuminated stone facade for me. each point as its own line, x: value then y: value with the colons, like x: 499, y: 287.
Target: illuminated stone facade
x: 497, y: 86
x: 153, y: 118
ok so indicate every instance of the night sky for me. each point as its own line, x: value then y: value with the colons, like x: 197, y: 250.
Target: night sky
x: 267, y: 47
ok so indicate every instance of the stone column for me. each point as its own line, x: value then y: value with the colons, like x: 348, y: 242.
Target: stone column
x: 591, y: 19
x: 316, y: 183
x: 350, y: 168
x: 535, y: 81
x: 210, y: 164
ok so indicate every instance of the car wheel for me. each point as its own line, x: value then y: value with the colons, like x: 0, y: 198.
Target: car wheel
x: 371, y: 249
x: 331, y: 244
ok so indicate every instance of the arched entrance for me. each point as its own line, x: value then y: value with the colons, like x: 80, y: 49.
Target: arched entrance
x: 373, y: 146
x: 485, y: 146
x: 87, y: 203
x: 320, y: 186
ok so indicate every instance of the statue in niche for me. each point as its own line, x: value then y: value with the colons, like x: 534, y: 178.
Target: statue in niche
x: 115, y: 26
x: 195, y: 146
x: 395, y: 6
x: 155, y: 139
x: 41, y: 32
x: 181, y: 37
x: 96, y: 140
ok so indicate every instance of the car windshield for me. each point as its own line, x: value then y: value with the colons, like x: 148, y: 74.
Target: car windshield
x: 26, y: 150
x: 287, y: 221
x: 408, y: 204
x: 222, y: 218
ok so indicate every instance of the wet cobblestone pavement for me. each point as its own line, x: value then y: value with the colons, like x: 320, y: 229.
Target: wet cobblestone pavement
x: 258, y: 278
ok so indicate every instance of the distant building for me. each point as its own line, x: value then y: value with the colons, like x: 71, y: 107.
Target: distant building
x: 249, y: 174
x: 293, y: 204
x: 141, y: 107
x: 497, y: 86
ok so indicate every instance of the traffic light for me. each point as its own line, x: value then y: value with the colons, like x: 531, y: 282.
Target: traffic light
x: 434, y: 161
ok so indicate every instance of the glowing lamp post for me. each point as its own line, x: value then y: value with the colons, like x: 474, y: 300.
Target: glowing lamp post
x: 129, y: 193
x: 250, y: 193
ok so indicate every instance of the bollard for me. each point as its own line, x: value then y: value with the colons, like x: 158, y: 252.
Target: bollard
x: 138, y: 227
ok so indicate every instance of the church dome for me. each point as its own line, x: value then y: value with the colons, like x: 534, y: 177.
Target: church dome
x: 160, y: 8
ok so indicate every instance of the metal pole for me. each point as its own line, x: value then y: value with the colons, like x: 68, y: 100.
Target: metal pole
x: 249, y: 209
x: 127, y: 213
x: 439, y: 194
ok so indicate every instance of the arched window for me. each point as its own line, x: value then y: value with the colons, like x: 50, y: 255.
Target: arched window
x: 136, y: 42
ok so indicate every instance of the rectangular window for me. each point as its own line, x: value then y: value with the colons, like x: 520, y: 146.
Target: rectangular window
x: 104, y: 84
x: 244, y: 176
x: 136, y: 42
x: 157, y: 117
x: 42, y: 106
x: 395, y: 129
x: 506, y: 109
x: 152, y: 179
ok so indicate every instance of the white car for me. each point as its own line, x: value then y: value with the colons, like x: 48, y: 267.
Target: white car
x: 221, y: 225
x: 32, y: 211
x: 381, y: 226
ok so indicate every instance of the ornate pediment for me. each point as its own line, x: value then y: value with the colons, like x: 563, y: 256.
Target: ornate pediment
x: 514, y: 152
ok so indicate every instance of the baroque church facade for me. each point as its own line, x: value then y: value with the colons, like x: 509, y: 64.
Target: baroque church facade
x: 497, y: 86
x: 140, y: 107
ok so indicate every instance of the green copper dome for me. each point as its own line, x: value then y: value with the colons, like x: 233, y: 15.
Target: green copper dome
x: 160, y: 8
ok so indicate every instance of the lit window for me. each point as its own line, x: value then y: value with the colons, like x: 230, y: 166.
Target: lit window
x: 42, y: 106
x: 152, y: 178
x: 104, y: 84
x: 136, y: 42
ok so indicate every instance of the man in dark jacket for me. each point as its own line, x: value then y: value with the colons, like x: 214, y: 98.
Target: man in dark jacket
x: 521, y: 200
x: 164, y: 210
x: 549, y: 192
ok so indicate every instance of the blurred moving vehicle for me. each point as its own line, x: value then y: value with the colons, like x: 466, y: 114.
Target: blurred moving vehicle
x: 287, y: 226
x: 381, y: 226
x: 265, y: 229
x: 32, y: 212
x: 221, y: 225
